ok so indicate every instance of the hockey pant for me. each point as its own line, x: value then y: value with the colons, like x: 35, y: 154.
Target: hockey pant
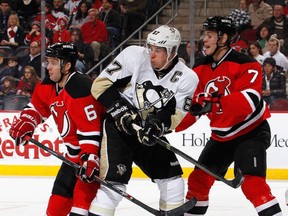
x: 171, y: 196
x: 70, y: 194
x: 199, y: 184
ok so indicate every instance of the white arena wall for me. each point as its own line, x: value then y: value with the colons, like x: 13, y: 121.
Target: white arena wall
x: 32, y: 161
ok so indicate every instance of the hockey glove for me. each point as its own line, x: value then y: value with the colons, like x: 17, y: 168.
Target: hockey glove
x: 124, y: 115
x: 205, y: 103
x: 153, y: 127
x: 89, y: 167
x: 25, y: 125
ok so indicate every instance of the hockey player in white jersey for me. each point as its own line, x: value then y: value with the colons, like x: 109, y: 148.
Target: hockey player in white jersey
x: 147, y: 86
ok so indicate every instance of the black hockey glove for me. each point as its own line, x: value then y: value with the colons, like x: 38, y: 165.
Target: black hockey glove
x: 89, y: 167
x: 205, y: 103
x: 124, y: 115
x: 153, y: 127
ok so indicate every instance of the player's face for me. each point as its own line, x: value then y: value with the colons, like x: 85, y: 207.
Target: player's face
x: 53, y: 67
x: 210, y: 42
x: 158, y: 56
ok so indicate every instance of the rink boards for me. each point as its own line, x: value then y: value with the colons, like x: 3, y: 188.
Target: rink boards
x: 32, y: 161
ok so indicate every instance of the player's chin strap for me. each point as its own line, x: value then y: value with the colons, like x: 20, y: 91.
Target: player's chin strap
x: 234, y: 183
x: 174, y: 212
x: 62, y: 64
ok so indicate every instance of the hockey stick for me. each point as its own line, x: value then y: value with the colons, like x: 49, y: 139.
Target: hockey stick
x: 174, y: 212
x: 234, y: 183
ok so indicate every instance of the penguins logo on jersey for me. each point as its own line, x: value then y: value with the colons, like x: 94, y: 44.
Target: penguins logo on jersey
x: 61, y: 117
x: 152, y: 97
x: 220, y: 84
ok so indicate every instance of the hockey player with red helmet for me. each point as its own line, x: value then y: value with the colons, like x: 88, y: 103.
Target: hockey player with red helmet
x: 65, y: 94
x: 229, y: 93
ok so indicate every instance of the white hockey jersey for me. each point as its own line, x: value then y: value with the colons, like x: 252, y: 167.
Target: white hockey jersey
x: 134, y: 78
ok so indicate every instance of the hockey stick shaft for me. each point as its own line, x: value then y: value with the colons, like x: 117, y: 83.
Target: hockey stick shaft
x: 177, y: 211
x: 235, y: 183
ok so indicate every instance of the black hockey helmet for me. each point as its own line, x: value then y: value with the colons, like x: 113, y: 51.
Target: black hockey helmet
x: 63, y: 51
x: 220, y: 25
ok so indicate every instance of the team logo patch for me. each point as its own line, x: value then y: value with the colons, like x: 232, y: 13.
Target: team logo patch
x: 152, y: 97
x: 61, y: 118
x: 121, y: 169
x: 219, y: 84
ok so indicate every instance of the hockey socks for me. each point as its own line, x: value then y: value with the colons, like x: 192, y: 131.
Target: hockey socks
x: 258, y: 192
x: 59, y: 205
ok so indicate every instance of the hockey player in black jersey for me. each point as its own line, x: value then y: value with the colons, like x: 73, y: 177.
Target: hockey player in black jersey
x: 150, y: 87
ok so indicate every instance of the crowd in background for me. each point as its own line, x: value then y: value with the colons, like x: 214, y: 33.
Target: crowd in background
x: 262, y: 33
x: 98, y: 26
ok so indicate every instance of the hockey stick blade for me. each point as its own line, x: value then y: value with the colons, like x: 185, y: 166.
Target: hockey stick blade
x: 174, y: 212
x: 181, y: 209
x: 234, y: 183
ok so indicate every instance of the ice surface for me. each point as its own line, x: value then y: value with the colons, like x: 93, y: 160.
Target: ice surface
x: 28, y: 196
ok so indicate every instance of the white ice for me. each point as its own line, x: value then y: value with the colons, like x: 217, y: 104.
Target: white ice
x: 28, y: 196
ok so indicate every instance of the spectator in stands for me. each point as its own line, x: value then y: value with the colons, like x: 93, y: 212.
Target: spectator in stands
x: 14, y: 35
x: 97, y: 4
x: 274, y: 81
x: 255, y: 51
x: 50, y: 20
x: 274, y: 52
x: 95, y: 34
x: 278, y: 25
x: 11, y: 69
x: 262, y: 36
x: 112, y: 20
x: 240, y: 16
x: 28, y: 82
x: 58, y: 9
x: 133, y: 13
x: 8, y: 86
x: 198, y: 52
x: 71, y: 6
x: 239, y: 43
x: 81, y: 15
x: 33, y: 58
x: 35, y: 34
x: 27, y: 9
x: 5, y: 11
x: 60, y: 33
x: 85, y: 52
x: 259, y: 11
